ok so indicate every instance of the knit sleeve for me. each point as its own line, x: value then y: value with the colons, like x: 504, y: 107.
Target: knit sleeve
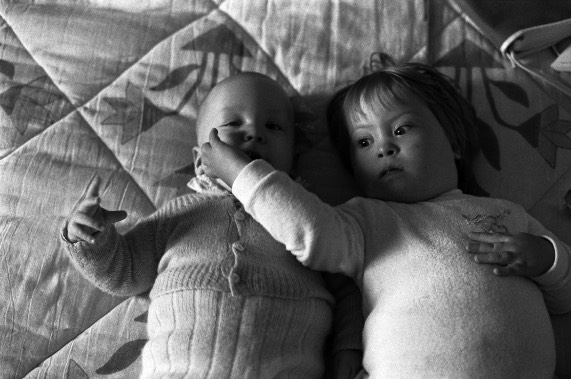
x: 555, y: 283
x: 322, y: 237
x: 122, y: 265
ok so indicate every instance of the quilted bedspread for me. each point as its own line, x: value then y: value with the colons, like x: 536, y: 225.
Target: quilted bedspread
x: 111, y: 89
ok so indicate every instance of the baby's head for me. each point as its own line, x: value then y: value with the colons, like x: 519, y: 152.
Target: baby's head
x: 253, y: 113
x: 405, y: 132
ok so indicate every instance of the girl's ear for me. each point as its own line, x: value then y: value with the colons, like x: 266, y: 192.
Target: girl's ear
x: 197, y: 161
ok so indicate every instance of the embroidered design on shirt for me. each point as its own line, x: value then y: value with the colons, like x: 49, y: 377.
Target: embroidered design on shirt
x: 489, y: 223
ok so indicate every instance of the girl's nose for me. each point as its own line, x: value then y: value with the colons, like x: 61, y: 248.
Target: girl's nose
x: 387, y: 150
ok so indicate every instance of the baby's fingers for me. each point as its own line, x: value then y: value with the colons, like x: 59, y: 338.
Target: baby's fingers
x: 93, y: 188
x: 111, y: 217
x: 82, y: 227
x: 83, y: 219
x: 75, y: 234
x: 213, y: 137
x: 89, y: 205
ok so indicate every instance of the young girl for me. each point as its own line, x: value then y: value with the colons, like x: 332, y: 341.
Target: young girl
x: 430, y: 310
x: 227, y: 300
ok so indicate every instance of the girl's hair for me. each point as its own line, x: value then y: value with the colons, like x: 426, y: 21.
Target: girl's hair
x: 394, y: 82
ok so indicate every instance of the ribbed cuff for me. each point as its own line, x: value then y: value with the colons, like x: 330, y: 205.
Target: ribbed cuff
x: 557, y: 276
x: 245, y: 183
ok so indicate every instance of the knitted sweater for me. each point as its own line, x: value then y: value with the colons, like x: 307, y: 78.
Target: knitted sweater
x: 205, y: 241
x: 430, y: 310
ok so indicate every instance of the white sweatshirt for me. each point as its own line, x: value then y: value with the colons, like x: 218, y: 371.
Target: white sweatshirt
x: 431, y: 311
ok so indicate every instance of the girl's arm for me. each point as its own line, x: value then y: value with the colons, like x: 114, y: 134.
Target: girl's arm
x: 345, y: 352
x: 322, y: 237
x: 537, y: 254
x: 556, y: 282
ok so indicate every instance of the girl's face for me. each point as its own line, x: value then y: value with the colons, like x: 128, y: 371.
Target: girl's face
x: 400, y: 152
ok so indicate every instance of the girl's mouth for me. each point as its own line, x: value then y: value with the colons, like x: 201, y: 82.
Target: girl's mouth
x: 390, y: 171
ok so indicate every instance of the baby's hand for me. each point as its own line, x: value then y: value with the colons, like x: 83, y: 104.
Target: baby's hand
x: 88, y: 218
x: 514, y: 254
x: 220, y: 160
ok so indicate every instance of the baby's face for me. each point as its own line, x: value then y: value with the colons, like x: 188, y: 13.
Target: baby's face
x: 400, y: 152
x: 253, y: 114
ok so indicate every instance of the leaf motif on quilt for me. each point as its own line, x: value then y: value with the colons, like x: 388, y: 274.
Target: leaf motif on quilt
x: 37, y: 103
x: 175, y: 77
x: 9, y: 98
x: 512, y: 91
x: 468, y: 54
x: 123, y: 357
x: 128, y: 113
x: 488, y: 143
x: 75, y: 371
x: 177, y: 179
x: 220, y: 43
x: 7, y: 68
x: 546, y: 132
x: 142, y: 317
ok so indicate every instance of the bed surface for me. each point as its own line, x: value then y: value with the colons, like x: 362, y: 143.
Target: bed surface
x: 112, y: 89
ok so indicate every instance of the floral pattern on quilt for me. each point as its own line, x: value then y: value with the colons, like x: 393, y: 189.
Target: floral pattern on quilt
x: 110, y: 99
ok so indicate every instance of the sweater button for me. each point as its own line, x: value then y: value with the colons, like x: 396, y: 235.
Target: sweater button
x: 239, y: 216
x: 235, y: 277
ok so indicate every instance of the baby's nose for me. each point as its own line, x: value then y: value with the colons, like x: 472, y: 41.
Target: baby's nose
x: 254, y: 134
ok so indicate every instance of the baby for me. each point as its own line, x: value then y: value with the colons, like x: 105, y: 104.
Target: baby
x: 227, y: 300
x: 430, y: 310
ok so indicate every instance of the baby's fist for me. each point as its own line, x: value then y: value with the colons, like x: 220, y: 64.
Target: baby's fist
x: 89, y: 218
x: 220, y: 160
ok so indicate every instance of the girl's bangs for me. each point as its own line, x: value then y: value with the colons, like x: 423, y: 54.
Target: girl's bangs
x: 366, y: 96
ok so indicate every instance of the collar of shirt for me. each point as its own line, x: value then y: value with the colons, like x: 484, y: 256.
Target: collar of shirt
x: 205, y: 184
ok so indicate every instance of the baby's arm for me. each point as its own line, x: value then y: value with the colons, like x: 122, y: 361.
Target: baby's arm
x: 105, y: 257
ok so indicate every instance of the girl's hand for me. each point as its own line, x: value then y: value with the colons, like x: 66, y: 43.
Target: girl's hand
x: 89, y: 218
x: 220, y: 160
x: 513, y: 254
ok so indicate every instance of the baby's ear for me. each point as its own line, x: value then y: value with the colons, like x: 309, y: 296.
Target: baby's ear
x: 197, y: 160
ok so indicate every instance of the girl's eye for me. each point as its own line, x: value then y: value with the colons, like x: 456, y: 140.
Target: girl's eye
x: 400, y: 130
x: 232, y: 123
x: 363, y: 142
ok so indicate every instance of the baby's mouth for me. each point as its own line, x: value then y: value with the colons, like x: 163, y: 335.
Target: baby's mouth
x: 253, y: 155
